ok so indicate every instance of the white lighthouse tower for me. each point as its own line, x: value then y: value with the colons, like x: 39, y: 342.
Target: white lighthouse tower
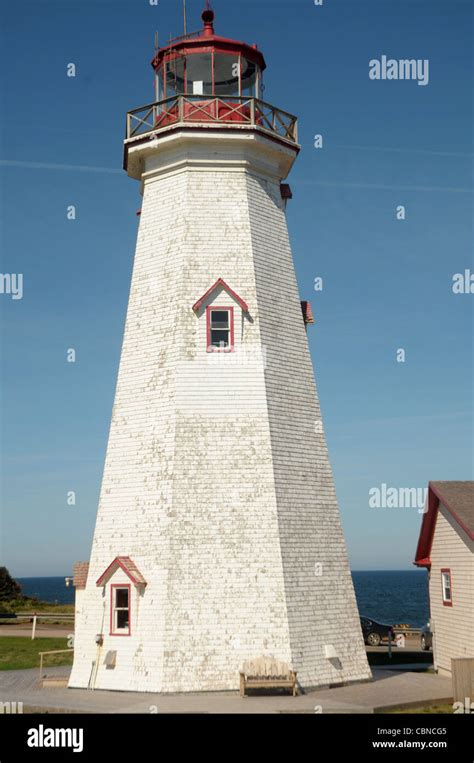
x: 218, y: 538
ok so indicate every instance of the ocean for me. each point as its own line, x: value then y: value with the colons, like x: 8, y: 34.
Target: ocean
x: 388, y: 597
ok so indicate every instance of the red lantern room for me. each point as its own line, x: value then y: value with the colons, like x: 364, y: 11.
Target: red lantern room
x: 204, y: 64
x: 202, y: 78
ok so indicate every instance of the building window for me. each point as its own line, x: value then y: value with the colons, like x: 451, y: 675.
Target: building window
x: 447, y: 588
x: 220, y: 329
x: 120, y: 610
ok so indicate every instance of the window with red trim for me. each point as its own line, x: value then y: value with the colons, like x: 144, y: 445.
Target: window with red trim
x: 120, y: 610
x: 220, y: 329
x: 447, y: 588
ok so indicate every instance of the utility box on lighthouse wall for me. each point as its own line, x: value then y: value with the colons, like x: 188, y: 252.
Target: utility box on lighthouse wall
x: 218, y: 538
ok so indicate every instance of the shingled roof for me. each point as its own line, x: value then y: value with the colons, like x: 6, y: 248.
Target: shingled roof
x: 80, y: 571
x: 220, y: 284
x: 125, y: 564
x: 458, y: 498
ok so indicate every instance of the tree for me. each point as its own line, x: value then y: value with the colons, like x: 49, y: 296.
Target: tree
x: 9, y: 588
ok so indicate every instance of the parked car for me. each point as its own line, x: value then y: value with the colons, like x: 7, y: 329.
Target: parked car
x: 426, y: 638
x: 374, y: 632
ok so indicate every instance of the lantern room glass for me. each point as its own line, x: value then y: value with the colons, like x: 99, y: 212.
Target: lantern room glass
x: 199, y: 74
x: 226, y: 74
x: 219, y: 74
x: 250, y: 78
x: 174, y: 71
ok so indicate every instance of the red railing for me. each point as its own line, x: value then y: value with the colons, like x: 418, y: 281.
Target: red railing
x: 228, y: 110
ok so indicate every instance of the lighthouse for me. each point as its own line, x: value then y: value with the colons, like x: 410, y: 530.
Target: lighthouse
x: 218, y: 537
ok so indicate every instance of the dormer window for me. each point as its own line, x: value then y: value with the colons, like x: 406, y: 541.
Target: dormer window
x: 220, y: 318
x: 121, y: 593
x: 120, y: 610
x: 220, y: 329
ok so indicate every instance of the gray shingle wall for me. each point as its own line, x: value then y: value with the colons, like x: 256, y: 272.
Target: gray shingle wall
x: 215, y: 482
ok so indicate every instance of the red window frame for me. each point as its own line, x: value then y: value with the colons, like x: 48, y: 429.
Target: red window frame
x: 447, y: 602
x: 112, y: 609
x: 209, y: 310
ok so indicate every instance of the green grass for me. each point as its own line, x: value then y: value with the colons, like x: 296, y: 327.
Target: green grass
x: 19, y: 652
x: 26, y: 604
x: 34, y: 605
x: 425, y: 710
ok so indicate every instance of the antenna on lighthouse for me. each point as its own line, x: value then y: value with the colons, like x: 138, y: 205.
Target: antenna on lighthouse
x: 157, y: 84
x: 185, y: 18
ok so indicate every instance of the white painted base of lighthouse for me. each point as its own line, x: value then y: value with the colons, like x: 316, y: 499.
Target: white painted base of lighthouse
x: 217, y: 486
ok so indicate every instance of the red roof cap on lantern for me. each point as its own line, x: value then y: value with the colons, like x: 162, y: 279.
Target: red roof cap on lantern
x: 205, y: 41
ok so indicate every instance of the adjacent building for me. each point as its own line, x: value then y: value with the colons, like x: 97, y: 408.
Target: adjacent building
x: 446, y: 550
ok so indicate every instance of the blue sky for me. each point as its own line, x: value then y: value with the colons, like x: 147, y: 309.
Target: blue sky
x: 387, y: 283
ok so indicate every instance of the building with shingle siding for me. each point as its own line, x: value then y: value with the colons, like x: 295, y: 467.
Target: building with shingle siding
x: 446, y: 550
x: 218, y: 537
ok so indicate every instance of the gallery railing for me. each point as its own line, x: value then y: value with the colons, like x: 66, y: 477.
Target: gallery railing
x: 229, y: 110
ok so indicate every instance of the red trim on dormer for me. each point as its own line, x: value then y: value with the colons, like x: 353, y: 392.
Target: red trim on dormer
x: 125, y: 564
x: 209, y: 347
x: 221, y: 283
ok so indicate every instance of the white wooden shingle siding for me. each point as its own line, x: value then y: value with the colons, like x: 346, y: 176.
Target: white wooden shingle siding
x: 453, y: 627
x: 217, y: 482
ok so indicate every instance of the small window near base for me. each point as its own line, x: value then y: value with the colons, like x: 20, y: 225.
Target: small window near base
x: 120, y: 610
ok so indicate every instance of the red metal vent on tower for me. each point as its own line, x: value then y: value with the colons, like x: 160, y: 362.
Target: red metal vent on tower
x: 307, y: 313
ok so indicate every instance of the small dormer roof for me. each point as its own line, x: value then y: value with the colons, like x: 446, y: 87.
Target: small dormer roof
x: 128, y: 566
x: 220, y: 283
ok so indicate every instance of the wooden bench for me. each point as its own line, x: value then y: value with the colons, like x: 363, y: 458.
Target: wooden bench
x: 267, y: 673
